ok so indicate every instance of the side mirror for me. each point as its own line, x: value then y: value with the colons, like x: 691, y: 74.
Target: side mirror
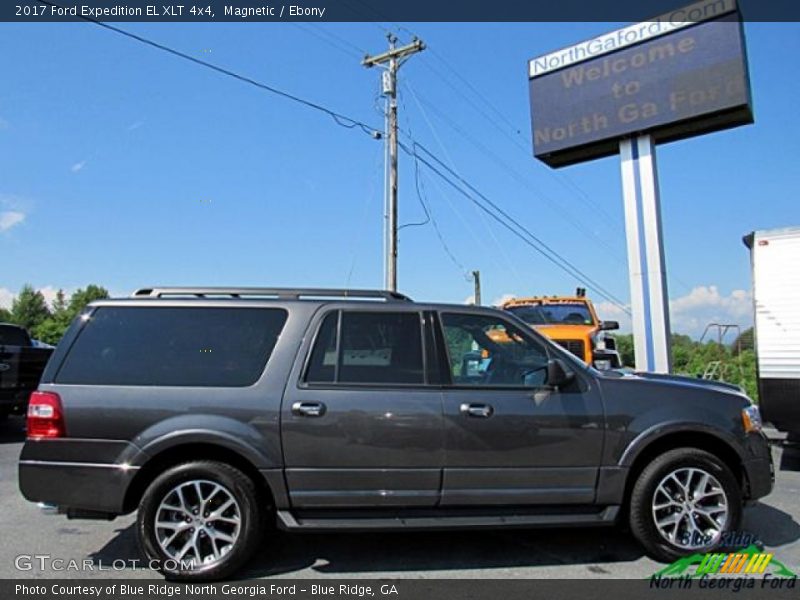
x: 557, y: 373
x: 609, y: 325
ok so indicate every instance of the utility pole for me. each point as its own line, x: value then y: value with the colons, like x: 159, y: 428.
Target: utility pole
x: 476, y: 277
x: 391, y: 61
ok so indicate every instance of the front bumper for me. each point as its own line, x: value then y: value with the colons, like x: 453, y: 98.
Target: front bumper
x: 758, y: 468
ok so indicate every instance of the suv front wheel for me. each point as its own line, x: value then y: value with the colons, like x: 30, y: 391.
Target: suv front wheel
x: 200, y: 521
x: 684, y: 502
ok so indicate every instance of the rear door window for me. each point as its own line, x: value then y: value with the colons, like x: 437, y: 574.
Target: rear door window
x: 173, y: 346
x: 368, y: 348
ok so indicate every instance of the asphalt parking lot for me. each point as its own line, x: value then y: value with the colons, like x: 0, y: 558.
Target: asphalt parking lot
x: 553, y: 553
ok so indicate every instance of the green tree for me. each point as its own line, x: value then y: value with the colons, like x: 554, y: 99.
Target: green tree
x: 52, y: 329
x: 625, y: 349
x: 29, y: 308
x: 459, y: 343
x: 81, y: 298
x: 5, y: 316
x: 744, y: 341
x: 49, y: 331
x: 60, y: 305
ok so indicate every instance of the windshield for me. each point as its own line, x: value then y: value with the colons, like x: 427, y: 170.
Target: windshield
x: 550, y: 314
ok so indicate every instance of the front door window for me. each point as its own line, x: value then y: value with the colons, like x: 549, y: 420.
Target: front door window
x: 488, y: 351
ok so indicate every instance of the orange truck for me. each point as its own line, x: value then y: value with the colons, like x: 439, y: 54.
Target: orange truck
x: 572, y: 322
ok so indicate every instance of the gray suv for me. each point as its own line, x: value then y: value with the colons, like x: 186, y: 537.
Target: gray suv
x: 219, y: 413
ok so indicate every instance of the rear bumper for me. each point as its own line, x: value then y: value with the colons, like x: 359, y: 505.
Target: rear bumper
x: 79, y: 474
x: 78, y: 486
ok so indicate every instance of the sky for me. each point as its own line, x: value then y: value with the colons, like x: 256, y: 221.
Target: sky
x: 126, y: 167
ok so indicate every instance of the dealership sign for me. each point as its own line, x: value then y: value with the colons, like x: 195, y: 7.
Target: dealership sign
x: 681, y: 74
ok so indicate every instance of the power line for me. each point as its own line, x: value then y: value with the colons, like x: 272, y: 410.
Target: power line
x: 339, y: 118
x: 322, y: 35
x: 453, y: 168
x: 432, y: 219
x: 475, y: 91
x: 429, y: 216
x: 562, y: 178
x: 523, y: 145
x: 566, y: 215
x: 365, y: 213
x: 350, y: 123
x: 507, y: 221
x: 343, y: 40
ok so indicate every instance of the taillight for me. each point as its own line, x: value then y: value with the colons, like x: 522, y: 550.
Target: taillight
x: 45, y: 416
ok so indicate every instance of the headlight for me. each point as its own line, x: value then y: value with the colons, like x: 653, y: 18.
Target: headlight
x: 598, y: 342
x: 751, y: 418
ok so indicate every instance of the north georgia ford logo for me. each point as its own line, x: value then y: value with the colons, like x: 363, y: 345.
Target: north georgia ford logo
x: 4, y: 367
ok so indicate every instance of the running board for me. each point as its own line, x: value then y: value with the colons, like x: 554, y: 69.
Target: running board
x: 446, y: 520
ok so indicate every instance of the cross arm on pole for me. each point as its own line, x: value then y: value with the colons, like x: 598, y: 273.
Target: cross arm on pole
x: 396, y: 53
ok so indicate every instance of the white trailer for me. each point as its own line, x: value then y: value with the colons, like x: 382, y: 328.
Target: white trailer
x: 775, y: 259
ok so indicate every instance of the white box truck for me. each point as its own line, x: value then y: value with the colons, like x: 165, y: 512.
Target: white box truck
x: 775, y: 259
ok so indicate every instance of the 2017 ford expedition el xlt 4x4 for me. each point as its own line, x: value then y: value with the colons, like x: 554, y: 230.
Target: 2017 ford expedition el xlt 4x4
x: 216, y: 412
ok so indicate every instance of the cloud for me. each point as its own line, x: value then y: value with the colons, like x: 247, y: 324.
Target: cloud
x: 502, y: 299
x: 10, y: 218
x: 608, y: 311
x: 49, y: 292
x: 704, y: 304
x: 3, y: 123
x: 136, y: 125
x: 691, y: 313
x: 6, y: 297
x: 77, y: 166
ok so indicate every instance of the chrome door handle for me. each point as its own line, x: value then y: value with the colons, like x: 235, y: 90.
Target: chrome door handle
x: 482, y: 411
x: 308, y: 409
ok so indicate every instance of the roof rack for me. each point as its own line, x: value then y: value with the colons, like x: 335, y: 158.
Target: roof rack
x: 280, y: 293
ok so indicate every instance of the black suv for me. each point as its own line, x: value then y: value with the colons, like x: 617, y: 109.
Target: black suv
x: 219, y: 412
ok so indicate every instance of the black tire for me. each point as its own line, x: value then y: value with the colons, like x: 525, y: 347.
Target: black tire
x: 252, y: 507
x: 641, y: 519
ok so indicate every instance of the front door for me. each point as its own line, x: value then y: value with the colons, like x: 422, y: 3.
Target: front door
x: 363, y: 427
x: 510, y: 439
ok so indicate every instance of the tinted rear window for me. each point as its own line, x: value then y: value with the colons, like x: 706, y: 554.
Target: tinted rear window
x: 375, y: 348
x: 222, y: 347
x: 13, y: 336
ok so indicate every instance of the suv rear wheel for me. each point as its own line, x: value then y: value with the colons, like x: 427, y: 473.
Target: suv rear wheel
x: 684, y: 502
x: 200, y: 521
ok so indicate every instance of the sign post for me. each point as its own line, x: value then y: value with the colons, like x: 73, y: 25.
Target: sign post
x: 646, y: 268
x: 681, y: 74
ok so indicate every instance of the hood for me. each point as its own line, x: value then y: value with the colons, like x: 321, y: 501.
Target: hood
x: 559, y: 331
x: 676, y: 380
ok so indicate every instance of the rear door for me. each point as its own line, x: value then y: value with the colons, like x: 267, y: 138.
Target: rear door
x: 509, y: 438
x: 362, y: 420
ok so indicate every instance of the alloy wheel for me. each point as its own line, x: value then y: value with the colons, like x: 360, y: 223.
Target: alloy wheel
x: 690, y: 508
x: 197, y: 523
